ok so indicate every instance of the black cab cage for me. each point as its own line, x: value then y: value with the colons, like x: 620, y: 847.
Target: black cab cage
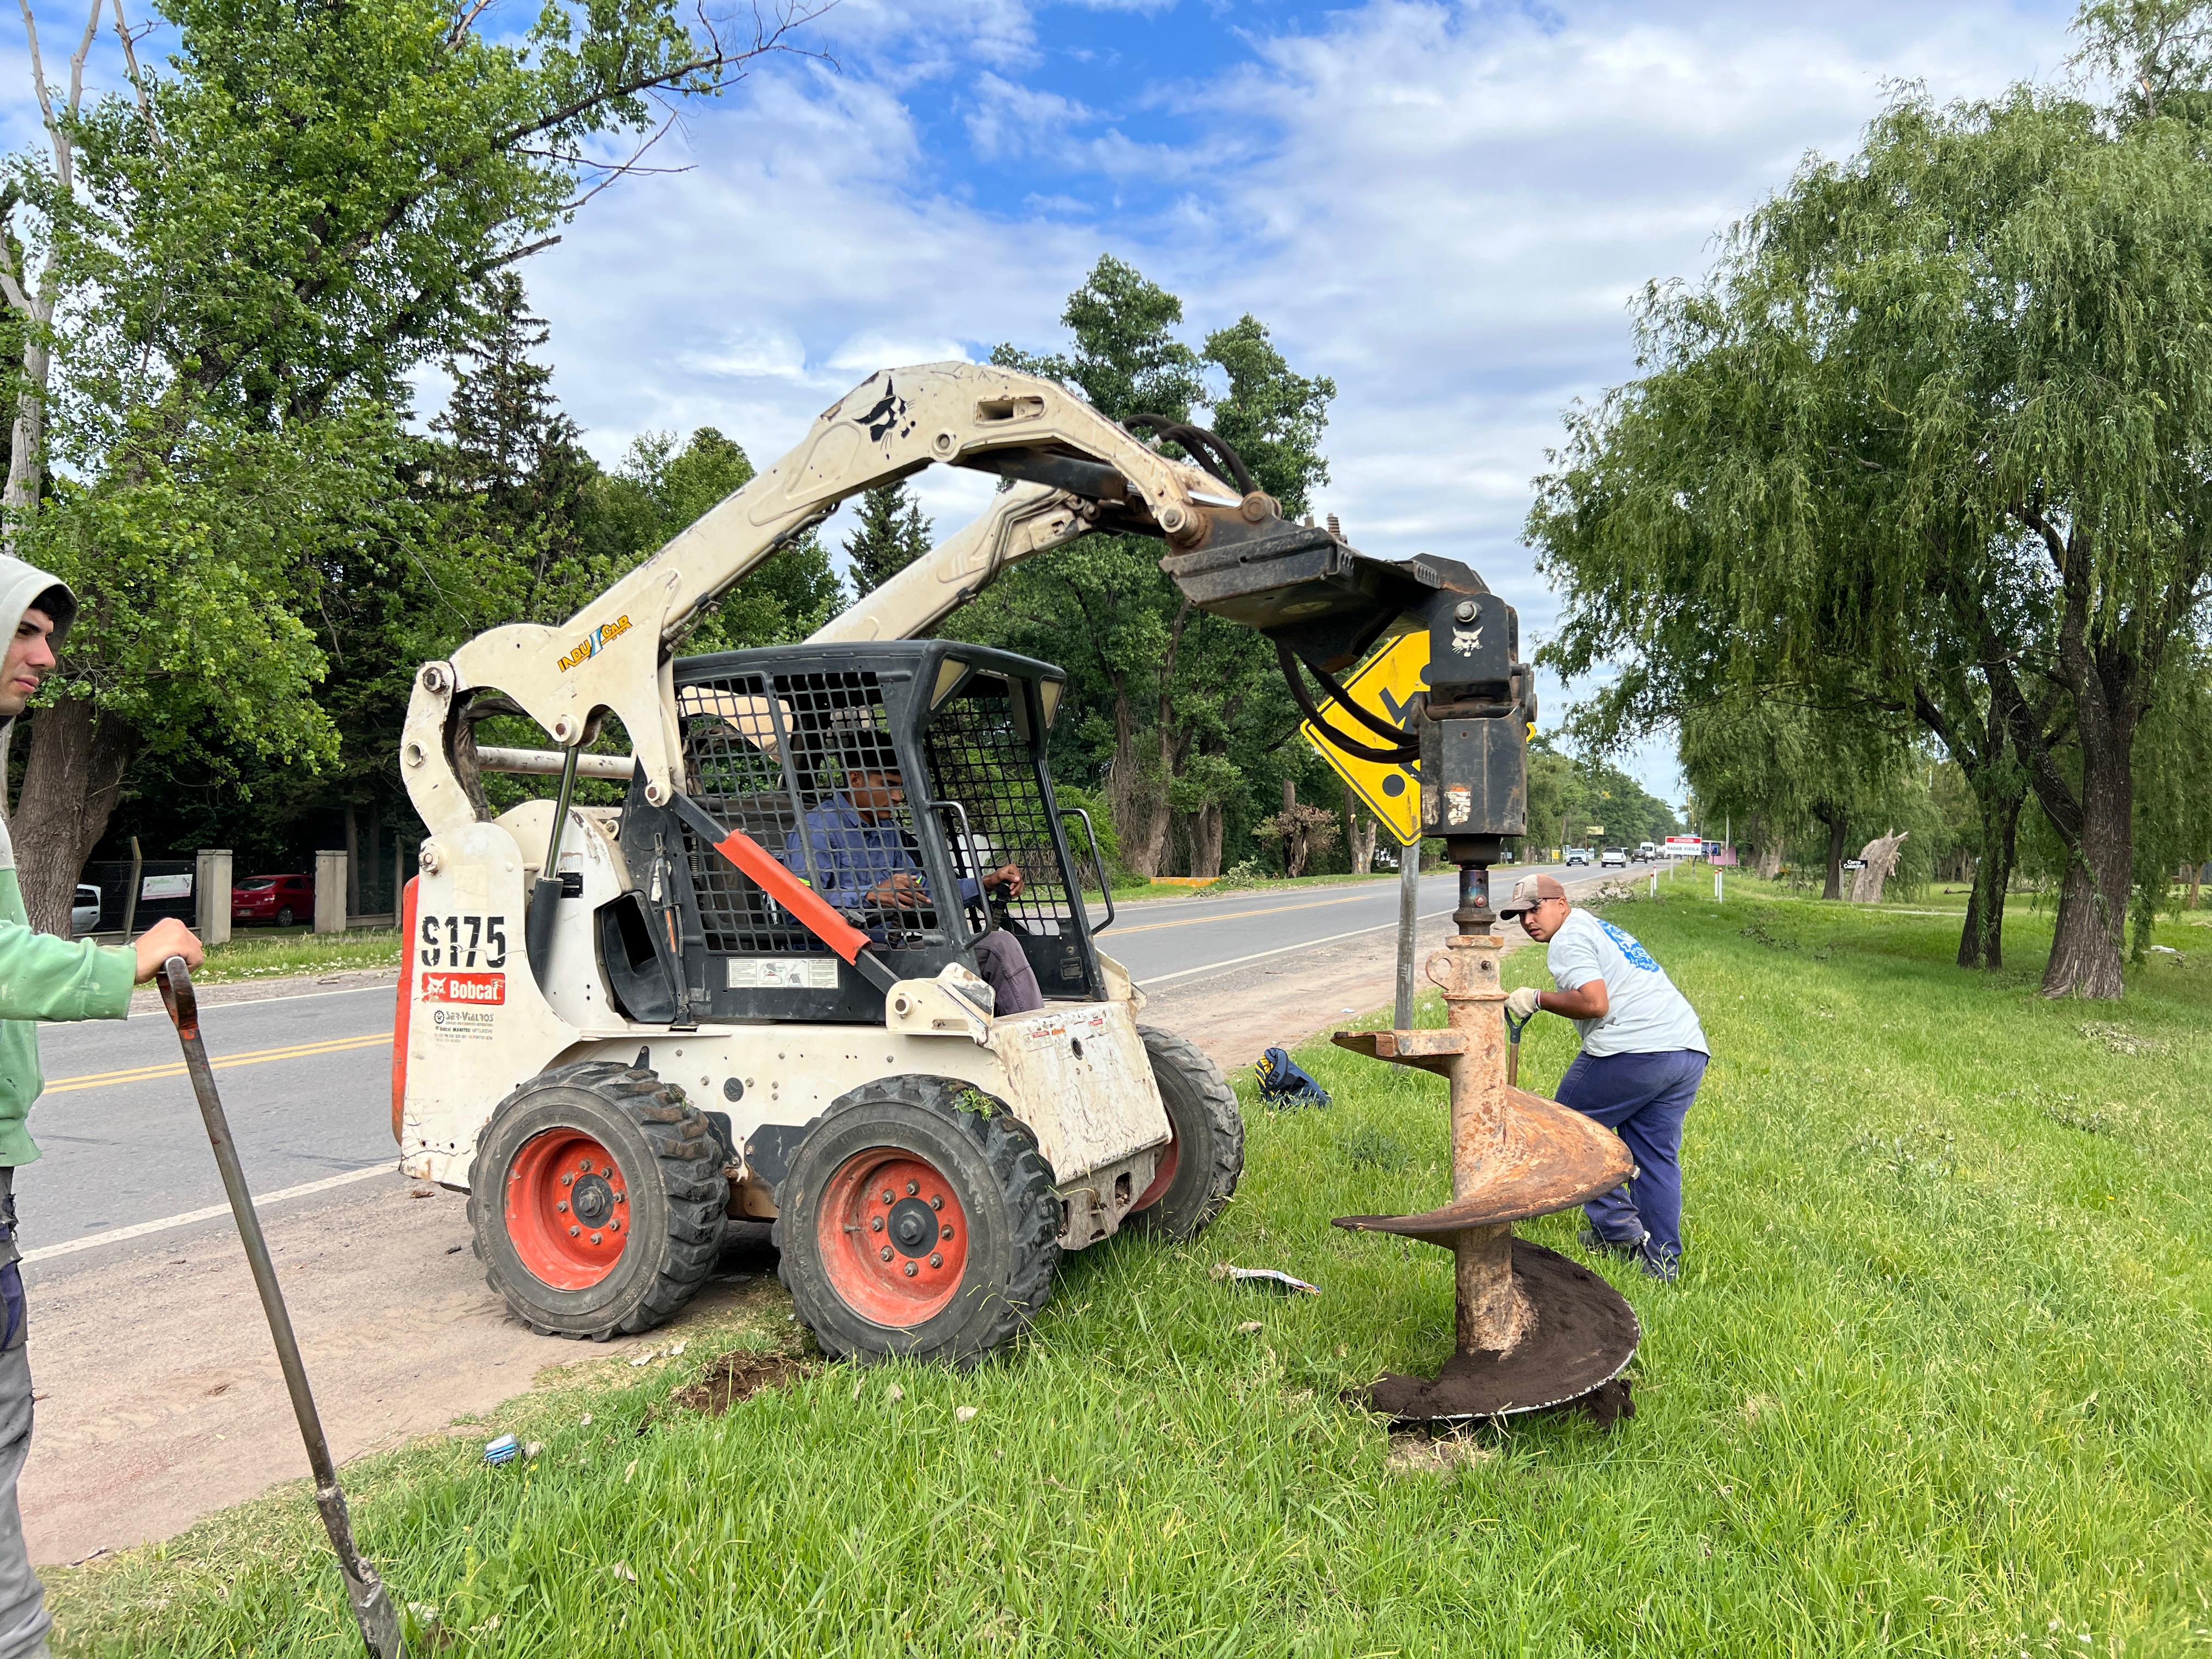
x: 892, y: 778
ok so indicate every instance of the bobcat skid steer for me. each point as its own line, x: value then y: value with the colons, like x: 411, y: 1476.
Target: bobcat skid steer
x: 621, y: 1029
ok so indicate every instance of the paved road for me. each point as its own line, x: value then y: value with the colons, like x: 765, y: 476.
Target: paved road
x: 306, y: 1079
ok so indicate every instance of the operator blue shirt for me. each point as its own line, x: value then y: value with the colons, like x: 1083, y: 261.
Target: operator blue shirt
x: 851, y: 855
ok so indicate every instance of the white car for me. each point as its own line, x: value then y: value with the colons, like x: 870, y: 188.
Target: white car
x: 1613, y: 858
x: 84, y: 915
x: 1578, y: 855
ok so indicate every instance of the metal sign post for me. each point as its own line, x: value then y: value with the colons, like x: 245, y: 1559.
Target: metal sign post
x: 1409, y: 896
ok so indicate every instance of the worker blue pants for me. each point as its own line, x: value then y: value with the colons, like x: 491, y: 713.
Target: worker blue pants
x: 1643, y: 1099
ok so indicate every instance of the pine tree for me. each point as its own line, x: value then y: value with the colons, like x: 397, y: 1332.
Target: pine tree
x: 510, y: 454
x: 892, y: 535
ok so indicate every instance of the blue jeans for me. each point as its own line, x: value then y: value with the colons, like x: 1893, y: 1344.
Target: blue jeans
x: 1642, y: 1098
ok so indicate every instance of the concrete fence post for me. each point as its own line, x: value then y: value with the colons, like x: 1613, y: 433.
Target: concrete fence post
x: 211, y: 882
x: 331, y: 891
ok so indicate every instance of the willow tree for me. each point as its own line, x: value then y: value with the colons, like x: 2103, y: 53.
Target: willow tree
x: 1937, y: 427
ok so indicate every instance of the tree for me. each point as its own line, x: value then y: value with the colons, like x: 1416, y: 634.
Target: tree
x: 1182, y: 717
x: 891, y: 534
x: 238, y: 261
x: 1933, y: 431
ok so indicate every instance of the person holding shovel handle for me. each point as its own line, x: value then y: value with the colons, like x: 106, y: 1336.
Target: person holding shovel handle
x: 1643, y: 1056
x: 41, y: 977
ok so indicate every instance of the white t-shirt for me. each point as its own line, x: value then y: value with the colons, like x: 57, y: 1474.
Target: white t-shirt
x: 1645, y: 1013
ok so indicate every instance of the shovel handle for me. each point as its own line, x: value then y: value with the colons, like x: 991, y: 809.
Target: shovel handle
x: 1513, y: 1029
x: 372, y: 1607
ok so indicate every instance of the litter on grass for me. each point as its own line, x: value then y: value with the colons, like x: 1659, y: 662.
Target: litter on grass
x: 504, y: 1450
x: 1272, y: 1279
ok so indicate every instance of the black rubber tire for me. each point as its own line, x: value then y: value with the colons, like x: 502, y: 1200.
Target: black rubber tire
x: 284, y: 917
x: 673, y: 1164
x: 1209, y: 1137
x: 1001, y: 1183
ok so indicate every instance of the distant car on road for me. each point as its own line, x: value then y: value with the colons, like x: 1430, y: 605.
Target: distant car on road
x: 1613, y: 858
x: 84, y: 915
x: 1646, y: 851
x: 280, y: 900
x: 1578, y: 855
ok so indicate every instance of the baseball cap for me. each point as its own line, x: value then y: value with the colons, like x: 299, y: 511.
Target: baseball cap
x: 1528, y: 892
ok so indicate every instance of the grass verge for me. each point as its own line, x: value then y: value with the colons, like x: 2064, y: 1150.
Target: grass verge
x: 277, y: 955
x: 1933, y: 1384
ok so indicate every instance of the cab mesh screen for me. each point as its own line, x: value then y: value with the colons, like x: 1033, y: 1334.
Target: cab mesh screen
x: 979, y: 758
x: 804, y: 764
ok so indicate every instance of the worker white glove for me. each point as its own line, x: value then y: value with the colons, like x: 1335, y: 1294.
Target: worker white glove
x: 1522, y: 1004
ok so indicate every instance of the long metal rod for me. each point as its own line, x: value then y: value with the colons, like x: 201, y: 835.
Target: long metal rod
x: 1409, y: 904
x: 372, y: 1606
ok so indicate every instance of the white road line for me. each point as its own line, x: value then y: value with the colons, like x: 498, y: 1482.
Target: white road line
x: 1302, y: 944
x: 117, y: 1236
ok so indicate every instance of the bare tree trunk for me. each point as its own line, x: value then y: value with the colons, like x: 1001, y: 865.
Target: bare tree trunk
x: 78, y: 757
x: 1837, y: 821
x: 1291, y: 852
x: 2089, y: 936
x: 1877, y: 863
x: 1981, y: 941
x: 1358, y: 834
x: 1206, y: 837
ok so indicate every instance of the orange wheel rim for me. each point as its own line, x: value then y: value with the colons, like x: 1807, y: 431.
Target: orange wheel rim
x: 1164, y: 1173
x: 893, y: 1238
x: 567, y: 1208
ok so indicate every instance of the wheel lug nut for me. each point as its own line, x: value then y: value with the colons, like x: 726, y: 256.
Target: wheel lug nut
x: 876, y: 1225
x: 889, y: 1195
x: 911, y: 1188
x: 936, y: 1200
x: 910, y: 1270
x: 572, y: 1231
x: 945, y: 1231
x: 887, y: 1252
x: 568, y: 1181
x: 935, y: 1259
x: 596, y: 1239
x: 615, y: 1226
x: 563, y: 1206
x: 585, y: 1164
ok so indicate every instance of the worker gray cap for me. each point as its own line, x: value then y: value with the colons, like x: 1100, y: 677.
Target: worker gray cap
x: 1528, y: 892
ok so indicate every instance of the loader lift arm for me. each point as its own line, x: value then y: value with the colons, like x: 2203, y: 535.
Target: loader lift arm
x: 1228, y: 549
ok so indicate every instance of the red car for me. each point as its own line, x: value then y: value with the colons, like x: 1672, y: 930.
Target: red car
x: 282, y: 900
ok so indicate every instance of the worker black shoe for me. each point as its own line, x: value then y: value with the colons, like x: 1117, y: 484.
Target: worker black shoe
x: 1597, y: 1245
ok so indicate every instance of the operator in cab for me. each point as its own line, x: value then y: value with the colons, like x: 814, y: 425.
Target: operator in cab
x: 41, y: 977
x: 865, y: 864
x: 1643, y: 1056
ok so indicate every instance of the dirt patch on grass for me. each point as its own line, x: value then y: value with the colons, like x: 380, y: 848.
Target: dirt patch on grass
x: 738, y: 1377
x: 1415, y: 1452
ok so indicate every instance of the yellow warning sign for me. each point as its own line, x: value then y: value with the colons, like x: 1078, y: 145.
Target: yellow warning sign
x: 1382, y: 685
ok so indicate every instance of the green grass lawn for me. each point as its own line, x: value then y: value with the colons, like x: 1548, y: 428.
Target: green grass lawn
x: 1935, y: 1381
x: 273, y: 953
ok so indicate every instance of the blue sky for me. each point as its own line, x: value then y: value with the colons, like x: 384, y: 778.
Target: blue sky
x: 1446, y: 207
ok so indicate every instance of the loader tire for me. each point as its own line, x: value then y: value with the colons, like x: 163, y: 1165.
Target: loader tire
x: 1201, y: 1168
x: 596, y: 1200
x: 918, y: 1221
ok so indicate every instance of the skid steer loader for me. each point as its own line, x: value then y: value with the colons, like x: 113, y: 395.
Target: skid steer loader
x: 620, y: 1028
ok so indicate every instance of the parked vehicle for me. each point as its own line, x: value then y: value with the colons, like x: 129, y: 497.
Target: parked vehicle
x: 1646, y: 851
x: 84, y: 915
x: 280, y: 900
x: 1578, y: 856
x: 1613, y: 858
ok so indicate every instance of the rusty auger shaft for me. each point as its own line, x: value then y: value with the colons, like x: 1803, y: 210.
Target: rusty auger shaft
x: 1534, y: 1329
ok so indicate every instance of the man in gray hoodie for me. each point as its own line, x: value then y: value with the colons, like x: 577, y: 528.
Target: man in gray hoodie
x: 41, y: 977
